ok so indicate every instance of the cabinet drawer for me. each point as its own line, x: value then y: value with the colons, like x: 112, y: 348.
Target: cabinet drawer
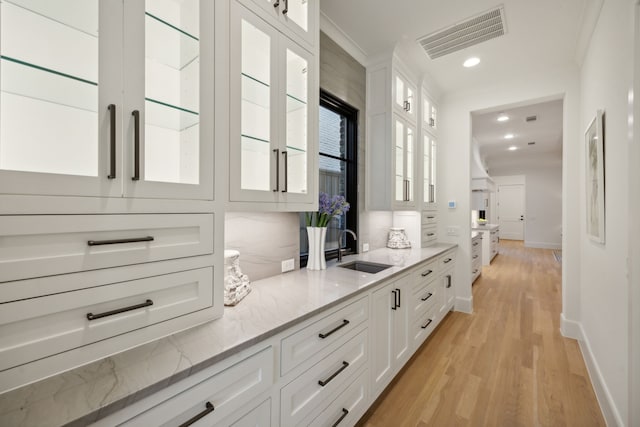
x: 44, y: 245
x: 429, y: 218
x: 316, y: 337
x: 429, y: 234
x: 257, y: 417
x: 347, y: 408
x: 424, y: 298
x: 424, y: 274
x: 38, y: 327
x: 448, y: 259
x: 305, y: 393
x: 227, y: 392
x: 425, y: 324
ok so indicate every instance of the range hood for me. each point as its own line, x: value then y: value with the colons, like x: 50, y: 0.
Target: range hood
x: 480, y: 179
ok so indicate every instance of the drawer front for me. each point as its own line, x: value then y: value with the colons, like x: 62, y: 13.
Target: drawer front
x: 227, y: 392
x: 476, y: 255
x: 447, y: 260
x: 424, y: 325
x: 44, y: 245
x: 300, y: 397
x: 38, y: 327
x: 429, y: 218
x: 424, y: 298
x: 347, y: 408
x: 424, y: 274
x: 257, y: 417
x: 429, y: 234
x: 316, y: 337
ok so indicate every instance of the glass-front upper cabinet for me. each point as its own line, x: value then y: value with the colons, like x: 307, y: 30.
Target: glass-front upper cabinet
x: 429, y: 169
x: 404, y: 163
x: 60, y: 95
x: 271, y: 106
x: 429, y: 114
x: 170, y: 148
x: 404, y: 96
x: 87, y: 114
x: 295, y: 18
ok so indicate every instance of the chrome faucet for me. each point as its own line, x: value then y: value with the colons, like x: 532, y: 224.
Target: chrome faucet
x: 340, y: 249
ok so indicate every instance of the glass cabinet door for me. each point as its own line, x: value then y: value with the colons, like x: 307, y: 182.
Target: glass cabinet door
x: 404, y: 163
x: 256, y: 157
x: 169, y: 151
x: 297, y: 75
x: 294, y: 16
x: 429, y: 169
x: 60, y: 97
x: 400, y: 187
x: 409, y: 164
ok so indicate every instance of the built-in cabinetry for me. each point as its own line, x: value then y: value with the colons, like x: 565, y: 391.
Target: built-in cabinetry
x: 490, y: 240
x: 273, y: 107
x: 109, y: 109
x: 392, y: 137
x: 429, y: 227
x: 476, y: 255
x: 327, y: 370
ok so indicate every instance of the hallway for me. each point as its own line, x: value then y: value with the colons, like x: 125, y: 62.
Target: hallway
x: 505, y: 365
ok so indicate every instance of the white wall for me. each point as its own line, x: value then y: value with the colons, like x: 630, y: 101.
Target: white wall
x: 455, y: 151
x: 543, y: 203
x: 606, y: 81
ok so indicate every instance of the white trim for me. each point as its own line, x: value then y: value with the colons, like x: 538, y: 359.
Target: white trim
x: 542, y: 245
x: 589, y: 21
x: 607, y: 406
x: 464, y: 305
x: 343, y: 40
x: 570, y: 328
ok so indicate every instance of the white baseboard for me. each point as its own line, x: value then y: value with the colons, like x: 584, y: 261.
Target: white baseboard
x: 570, y: 328
x: 542, y: 245
x: 605, y: 400
x: 464, y: 305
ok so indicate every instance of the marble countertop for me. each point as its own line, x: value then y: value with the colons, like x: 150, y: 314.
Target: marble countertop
x: 87, y: 393
x: 478, y: 227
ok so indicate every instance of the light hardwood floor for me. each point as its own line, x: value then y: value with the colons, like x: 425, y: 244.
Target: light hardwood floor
x: 505, y: 365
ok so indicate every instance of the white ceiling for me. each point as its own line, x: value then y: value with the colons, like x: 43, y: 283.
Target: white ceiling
x: 540, y: 34
x: 546, y: 132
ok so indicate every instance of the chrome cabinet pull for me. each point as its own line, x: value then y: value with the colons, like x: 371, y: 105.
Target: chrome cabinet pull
x: 209, y: 408
x: 344, y: 366
x: 91, y: 316
x: 118, y: 241
x: 345, y: 412
x: 136, y: 145
x: 429, y: 295
x: 427, y: 324
x: 112, y: 141
x: 344, y: 323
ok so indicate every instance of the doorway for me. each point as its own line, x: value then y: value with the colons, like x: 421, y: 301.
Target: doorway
x: 511, y: 211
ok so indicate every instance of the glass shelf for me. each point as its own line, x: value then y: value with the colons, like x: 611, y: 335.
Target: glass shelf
x: 255, y: 92
x: 294, y: 104
x: 81, y: 15
x: 295, y: 151
x: 168, y: 45
x: 32, y: 81
x: 253, y: 138
x: 169, y: 116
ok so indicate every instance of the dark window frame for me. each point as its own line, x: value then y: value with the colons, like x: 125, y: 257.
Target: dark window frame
x: 339, y: 106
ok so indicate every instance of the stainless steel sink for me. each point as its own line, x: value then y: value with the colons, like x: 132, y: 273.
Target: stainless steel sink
x: 365, y: 266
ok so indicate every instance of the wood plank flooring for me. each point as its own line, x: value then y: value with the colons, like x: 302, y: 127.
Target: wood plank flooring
x: 505, y: 365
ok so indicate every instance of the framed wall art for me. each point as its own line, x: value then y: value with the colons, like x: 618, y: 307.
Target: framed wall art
x: 595, y: 178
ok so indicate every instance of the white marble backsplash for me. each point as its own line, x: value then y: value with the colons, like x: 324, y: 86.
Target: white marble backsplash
x: 379, y: 223
x: 264, y: 240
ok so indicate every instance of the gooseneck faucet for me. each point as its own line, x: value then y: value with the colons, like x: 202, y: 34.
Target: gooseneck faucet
x: 340, y: 249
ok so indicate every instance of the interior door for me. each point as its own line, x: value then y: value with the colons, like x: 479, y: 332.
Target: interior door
x: 511, y: 211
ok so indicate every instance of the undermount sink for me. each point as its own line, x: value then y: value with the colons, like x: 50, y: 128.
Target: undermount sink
x: 365, y: 266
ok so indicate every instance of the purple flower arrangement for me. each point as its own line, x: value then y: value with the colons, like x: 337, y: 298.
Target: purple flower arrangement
x: 328, y: 207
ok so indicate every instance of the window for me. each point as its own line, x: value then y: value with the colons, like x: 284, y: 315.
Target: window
x: 338, y: 171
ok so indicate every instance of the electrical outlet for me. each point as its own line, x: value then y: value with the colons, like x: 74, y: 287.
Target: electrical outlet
x: 365, y: 247
x: 288, y: 265
x: 453, y: 231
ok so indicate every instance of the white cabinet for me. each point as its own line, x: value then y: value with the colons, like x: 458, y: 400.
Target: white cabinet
x: 405, y: 96
x: 429, y: 169
x: 490, y: 240
x: 390, y: 331
x: 429, y: 114
x: 392, y: 138
x: 273, y: 115
x: 296, y: 18
x: 476, y: 256
x: 447, y: 279
x: 88, y: 114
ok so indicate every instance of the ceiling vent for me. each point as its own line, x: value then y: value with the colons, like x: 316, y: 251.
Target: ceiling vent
x: 531, y: 118
x: 470, y: 32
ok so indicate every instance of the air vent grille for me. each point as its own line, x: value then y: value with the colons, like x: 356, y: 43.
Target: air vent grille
x: 531, y: 118
x: 472, y: 31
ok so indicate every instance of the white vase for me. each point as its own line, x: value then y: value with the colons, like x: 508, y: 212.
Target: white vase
x: 316, y: 236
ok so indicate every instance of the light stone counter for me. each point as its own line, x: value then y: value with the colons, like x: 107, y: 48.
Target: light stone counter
x: 87, y: 393
x: 486, y: 227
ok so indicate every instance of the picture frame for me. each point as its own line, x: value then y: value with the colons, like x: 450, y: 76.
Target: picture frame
x: 595, y: 178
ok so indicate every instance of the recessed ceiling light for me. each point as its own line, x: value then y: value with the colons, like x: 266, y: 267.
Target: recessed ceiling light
x: 513, y: 148
x: 471, y: 62
x: 508, y: 136
x: 503, y: 117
